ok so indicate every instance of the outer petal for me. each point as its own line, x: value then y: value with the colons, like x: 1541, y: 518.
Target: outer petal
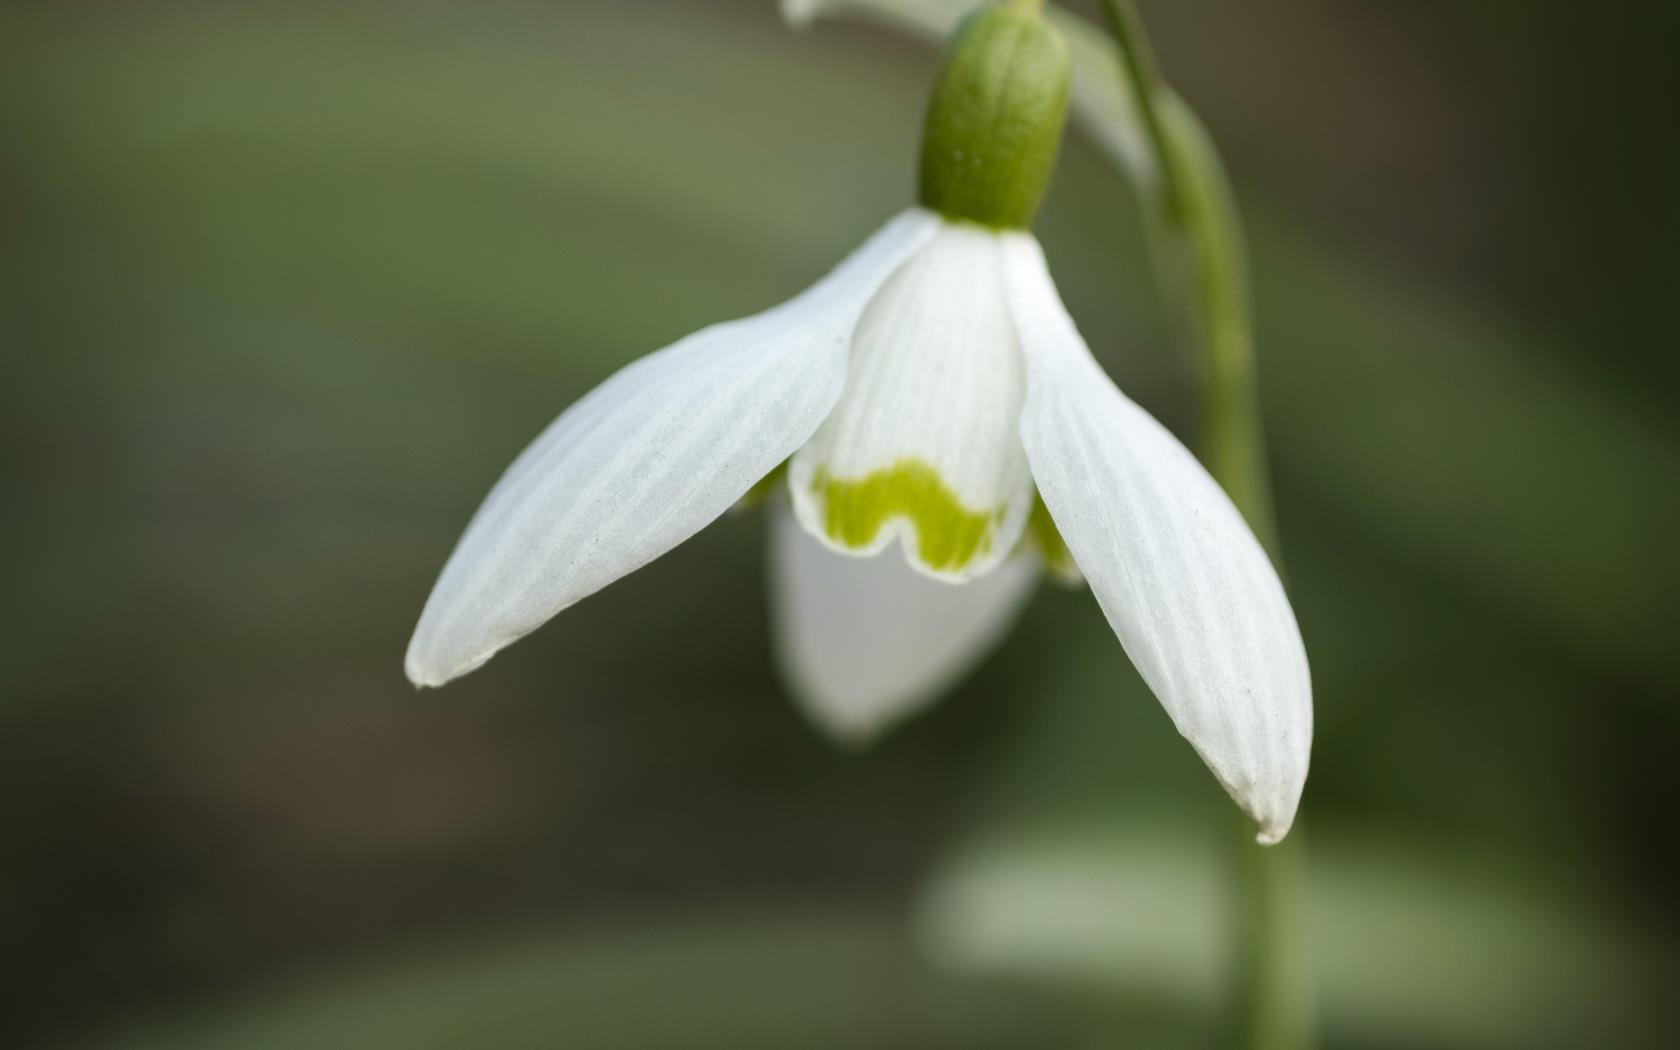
x: 647, y: 459
x: 924, y: 445
x: 1182, y: 580
x: 864, y: 642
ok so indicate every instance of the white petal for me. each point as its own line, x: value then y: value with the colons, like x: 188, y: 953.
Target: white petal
x: 647, y: 459
x: 924, y: 445
x: 864, y: 642
x: 1182, y: 580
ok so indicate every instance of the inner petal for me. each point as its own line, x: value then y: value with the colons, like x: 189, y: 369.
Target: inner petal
x: 924, y: 445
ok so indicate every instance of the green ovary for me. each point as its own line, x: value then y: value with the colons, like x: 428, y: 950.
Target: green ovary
x: 948, y: 535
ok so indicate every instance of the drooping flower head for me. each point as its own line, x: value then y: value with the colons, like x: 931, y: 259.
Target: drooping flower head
x: 933, y: 396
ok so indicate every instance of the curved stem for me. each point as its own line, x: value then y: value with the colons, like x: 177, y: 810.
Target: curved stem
x: 1273, y: 1003
x: 1231, y: 442
x: 1143, y: 76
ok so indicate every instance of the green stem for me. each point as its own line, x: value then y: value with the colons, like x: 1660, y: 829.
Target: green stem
x: 1231, y: 441
x: 1144, y: 78
x: 1273, y: 1003
x: 1197, y: 212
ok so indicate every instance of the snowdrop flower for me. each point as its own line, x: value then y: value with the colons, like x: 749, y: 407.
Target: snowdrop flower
x: 932, y: 395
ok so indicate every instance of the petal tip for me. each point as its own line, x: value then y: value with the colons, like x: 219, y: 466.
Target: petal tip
x: 1274, y: 821
x: 852, y: 724
x: 419, y: 681
x: 854, y: 739
x: 432, y: 672
x: 419, y: 676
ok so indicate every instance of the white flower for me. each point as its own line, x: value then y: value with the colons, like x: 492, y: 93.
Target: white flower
x: 923, y: 395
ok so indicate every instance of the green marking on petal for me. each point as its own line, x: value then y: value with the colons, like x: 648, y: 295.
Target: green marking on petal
x: 1042, y: 528
x: 948, y: 535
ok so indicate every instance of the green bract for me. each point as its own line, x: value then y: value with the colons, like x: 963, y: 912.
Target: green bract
x: 995, y: 121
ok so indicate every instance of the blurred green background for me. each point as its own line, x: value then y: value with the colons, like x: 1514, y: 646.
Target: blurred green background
x: 284, y: 286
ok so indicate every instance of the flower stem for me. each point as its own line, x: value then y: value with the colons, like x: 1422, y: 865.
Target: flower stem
x: 1273, y: 1007
x: 1230, y: 442
x: 1143, y: 78
x: 1196, y: 215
